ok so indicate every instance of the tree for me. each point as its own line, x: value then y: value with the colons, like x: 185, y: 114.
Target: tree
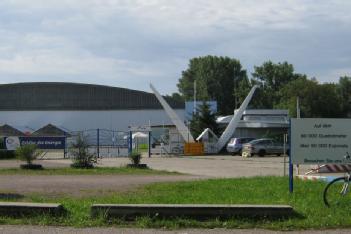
x: 176, y: 97
x: 316, y: 100
x: 271, y: 77
x: 344, y: 90
x: 217, y: 78
x: 203, y: 119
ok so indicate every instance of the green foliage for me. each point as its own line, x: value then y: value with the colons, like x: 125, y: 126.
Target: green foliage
x: 2, y: 143
x: 175, y: 97
x: 344, y: 89
x: 81, y: 156
x: 217, y: 78
x: 306, y: 201
x: 271, y: 77
x: 82, y: 171
x: 7, y: 154
x: 203, y: 119
x: 222, y: 79
x: 27, y: 153
x: 316, y: 100
x: 135, y: 158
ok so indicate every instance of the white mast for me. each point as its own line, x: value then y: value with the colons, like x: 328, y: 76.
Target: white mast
x: 182, y: 129
x: 228, y: 132
x: 195, y: 106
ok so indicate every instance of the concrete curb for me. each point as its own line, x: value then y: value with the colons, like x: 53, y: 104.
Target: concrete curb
x: 23, y: 208
x: 198, y: 211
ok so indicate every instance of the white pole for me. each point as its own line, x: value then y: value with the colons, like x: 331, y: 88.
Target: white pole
x: 284, y: 148
x: 298, y: 115
x: 194, y: 97
x: 298, y: 107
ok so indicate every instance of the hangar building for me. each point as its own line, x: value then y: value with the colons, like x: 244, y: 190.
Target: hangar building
x: 76, y: 107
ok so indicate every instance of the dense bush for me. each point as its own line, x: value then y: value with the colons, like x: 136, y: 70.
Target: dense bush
x: 81, y: 156
x: 135, y: 158
x: 28, y: 153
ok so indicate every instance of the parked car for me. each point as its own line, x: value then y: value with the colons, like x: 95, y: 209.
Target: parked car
x: 263, y: 147
x: 235, y: 144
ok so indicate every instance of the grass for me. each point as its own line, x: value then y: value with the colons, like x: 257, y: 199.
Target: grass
x: 93, y: 171
x: 306, y: 200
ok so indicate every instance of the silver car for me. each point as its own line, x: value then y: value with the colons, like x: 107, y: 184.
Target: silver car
x: 235, y: 144
x: 262, y: 147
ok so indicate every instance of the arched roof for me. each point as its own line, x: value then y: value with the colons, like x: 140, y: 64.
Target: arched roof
x: 75, y: 96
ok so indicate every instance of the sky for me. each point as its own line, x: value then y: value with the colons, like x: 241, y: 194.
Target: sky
x: 132, y: 43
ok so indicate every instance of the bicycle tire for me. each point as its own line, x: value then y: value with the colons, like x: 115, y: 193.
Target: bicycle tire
x: 332, y: 195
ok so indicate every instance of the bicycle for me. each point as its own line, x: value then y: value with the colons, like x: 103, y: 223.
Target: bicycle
x: 336, y: 190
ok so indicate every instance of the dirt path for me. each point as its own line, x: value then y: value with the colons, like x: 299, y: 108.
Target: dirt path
x: 80, y: 185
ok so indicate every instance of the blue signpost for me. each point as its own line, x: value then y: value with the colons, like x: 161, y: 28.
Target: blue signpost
x: 130, y: 143
x: 291, y: 171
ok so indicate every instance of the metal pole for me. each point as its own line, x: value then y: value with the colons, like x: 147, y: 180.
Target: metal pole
x: 130, y: 143
x: 149, y: 149
x: 291, y: 171
x: 284, y: 148
x: 98, y: 142
x: 64, y: 149
x: 194, y: 96
x: 298, y: 115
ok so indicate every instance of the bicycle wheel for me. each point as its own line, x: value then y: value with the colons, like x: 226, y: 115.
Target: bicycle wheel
x: 335, y: 194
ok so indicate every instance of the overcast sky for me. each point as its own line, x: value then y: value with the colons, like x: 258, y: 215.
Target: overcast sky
x: 132, y: 43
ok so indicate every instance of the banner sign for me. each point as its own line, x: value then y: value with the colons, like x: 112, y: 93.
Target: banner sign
x: 12, y: 143
x: 320, y: 141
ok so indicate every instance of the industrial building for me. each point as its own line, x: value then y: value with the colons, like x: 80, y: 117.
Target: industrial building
x: 76, y: 107
x: 258, y: 123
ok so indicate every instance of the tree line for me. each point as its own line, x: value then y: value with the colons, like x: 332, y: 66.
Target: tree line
x: 224, y: 80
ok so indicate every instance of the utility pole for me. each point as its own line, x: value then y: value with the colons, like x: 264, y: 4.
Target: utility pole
x: 194, y: 111
x: 298, y: 115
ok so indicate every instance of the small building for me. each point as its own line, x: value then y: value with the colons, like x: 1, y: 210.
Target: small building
x: 259, y: 123
x: 7, y: 130
x: 50, y: 130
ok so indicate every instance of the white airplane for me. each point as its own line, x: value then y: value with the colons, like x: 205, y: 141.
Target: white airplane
x: 184, y: 131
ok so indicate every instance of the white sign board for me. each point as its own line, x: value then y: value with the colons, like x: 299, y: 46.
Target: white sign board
x: 320, y: 141
x: 140, y: 129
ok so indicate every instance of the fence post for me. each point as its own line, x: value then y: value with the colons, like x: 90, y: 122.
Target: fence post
x: 64, y: 149
x: 149, y: 148
x: 130, y: 146
x: 98, y: 142
x: 291, y: 171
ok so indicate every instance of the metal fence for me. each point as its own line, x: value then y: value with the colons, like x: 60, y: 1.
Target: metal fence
x: 102, y: 142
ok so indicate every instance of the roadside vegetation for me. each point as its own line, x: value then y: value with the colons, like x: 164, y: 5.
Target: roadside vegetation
x: 80, y: 153
x: 28, y: 153
x: 306, y: 201
x: 84, y: 171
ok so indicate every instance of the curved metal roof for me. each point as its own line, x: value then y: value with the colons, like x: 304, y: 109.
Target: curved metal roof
x: 75, y: 96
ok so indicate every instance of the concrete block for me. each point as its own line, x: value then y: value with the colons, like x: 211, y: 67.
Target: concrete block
x: 198, y: 211
x: 24, y: 208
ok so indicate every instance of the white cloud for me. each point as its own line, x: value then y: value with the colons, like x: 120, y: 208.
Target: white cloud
x: 129, y: 42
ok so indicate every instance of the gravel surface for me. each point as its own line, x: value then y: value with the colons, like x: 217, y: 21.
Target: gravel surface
x: 80, y: 185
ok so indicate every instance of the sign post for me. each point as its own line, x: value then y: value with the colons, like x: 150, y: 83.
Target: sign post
x: 291, y: 171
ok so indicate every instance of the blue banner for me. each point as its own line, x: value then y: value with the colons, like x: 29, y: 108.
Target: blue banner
x: 42, y: 142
